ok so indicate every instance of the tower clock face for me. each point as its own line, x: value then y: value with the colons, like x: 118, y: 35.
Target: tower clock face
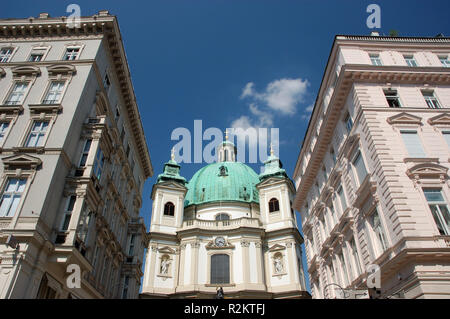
x: 220, y: 241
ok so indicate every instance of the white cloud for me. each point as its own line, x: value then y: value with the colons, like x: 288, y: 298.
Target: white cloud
x: 248, y: 90
x: 281, y: 95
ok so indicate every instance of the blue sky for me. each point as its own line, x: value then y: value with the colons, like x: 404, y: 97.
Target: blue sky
x: 191, y: 60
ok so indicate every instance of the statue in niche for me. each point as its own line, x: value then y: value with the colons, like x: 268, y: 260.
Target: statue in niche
x: 278, y: 264
x: 164, y: 266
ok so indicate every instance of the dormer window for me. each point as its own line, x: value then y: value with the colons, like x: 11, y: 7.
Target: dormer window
x: 445, y: 61
x: 410, y: 61
x: 375, y: 59
x: 431, y: 100
x: 71, y: 54
x: 5, y: 54
x: 392, y: 98
x: 169, y: 209
x: 274, y: 205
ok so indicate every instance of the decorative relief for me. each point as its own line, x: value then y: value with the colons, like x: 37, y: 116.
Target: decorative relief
x: 245, y: 243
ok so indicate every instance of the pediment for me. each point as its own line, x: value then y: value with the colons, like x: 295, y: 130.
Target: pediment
x: 166, y: 250
x: 427, y: 170
x: 26, y: 70
x: 350, y: 144
x: 404, y: 118
x: 440, y: 119
x: 61, y: 69
x: 20, y: 161
x: 277, y: 247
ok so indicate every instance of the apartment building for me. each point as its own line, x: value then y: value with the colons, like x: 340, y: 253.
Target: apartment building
x: 372, y: 175
x: 74, y: 160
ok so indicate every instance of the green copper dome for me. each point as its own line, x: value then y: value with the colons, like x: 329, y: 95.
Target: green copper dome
x: 223, y: 181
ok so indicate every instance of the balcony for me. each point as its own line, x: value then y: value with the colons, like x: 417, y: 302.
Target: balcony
x: 222, y: 224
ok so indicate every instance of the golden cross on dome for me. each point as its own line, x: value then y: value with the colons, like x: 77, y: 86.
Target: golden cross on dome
x: 271, y: 149
x: 226, y: 135
x: 172, y: 154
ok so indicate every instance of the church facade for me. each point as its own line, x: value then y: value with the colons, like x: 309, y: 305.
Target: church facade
x: 228, y: 228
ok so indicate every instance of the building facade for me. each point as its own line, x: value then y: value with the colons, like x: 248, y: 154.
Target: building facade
x: 228, y: 228
x: 372, y: 176
x: 73, y: 161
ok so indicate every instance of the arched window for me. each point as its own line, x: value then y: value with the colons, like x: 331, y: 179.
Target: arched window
x: 220, y: 269
x: 169, y: 209
x: 274, y: 205
x: 222, y: 216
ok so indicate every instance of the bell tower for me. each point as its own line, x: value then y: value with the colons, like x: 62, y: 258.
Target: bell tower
x: 226, y: 151
x: 168, y: 199
x: 276, y: 191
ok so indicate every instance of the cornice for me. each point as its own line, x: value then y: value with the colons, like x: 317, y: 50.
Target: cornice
x: 350, y: 74
x: 105, y: 26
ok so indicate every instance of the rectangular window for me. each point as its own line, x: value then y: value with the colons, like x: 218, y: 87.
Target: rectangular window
x: 378, y: 230
x: 220, y: 269
x: 431, y: 100
x: 355, y: 255
x: 37, y: 134
x: 5, y: 54
x: 71, y: 54
x: 85, y: 153
x: 392, y: 98
x: 439, y: 209
x: 445, y: 61
x: 17, y: 93
x: 131, y: 246
x: 99, y: 161
x: 37, y: 55
x: 3, y: 130
x: 68, y: 212
x: 410, y: 61
x: 360, y: 167
x: 446, y: 135
x: 54, y: 92
x: 11, y: 196
x: 348, y: 123
x: 413, y: 144
x: 342, y: 198
x: 346, y: 280
x: 375, y: 58
x: 106, y: 82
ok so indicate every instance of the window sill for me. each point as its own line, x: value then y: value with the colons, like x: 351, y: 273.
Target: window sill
x: 11, y: 108
x: 50, y: 108
x: 421, y: 160
x: 220, y: 285
x: 26, y: 149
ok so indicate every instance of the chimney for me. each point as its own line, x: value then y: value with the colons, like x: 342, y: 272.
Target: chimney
x: 44, y: 15
x: 374, y: 34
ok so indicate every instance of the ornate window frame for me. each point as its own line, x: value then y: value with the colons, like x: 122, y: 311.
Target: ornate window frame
x: 42, y: 47
x: 19, y: 166
x: 79, y: 45
x: 24, y: 73
x: 50, y: 118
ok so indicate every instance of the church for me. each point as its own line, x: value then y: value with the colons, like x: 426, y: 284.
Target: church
x: 228, y: 229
